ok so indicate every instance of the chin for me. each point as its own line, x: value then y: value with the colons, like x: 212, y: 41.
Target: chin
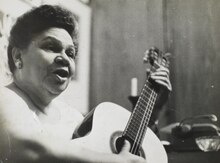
x: 55, y: 87
x: 58, y: 89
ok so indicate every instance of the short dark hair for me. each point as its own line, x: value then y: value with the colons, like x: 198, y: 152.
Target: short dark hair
x: 36, y: 21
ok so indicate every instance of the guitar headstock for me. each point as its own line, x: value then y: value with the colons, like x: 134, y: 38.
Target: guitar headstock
x: 156, y: 58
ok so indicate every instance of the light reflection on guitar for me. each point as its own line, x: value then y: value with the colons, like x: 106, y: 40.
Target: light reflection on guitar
x: 107, y: 126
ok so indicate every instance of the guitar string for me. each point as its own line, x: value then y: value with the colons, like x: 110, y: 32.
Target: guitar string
x: 147, y: 89
x: 143, y: 128
x: 140, y: 101
x: 146, y: 117
x: 131, y: 118
x: 134, y: 148
x: 144, y: 121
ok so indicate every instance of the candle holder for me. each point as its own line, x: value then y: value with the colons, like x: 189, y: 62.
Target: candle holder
x: 133, y: 100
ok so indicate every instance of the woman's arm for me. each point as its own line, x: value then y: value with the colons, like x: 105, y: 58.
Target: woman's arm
x: 22, y: 141
x: 21, y: 148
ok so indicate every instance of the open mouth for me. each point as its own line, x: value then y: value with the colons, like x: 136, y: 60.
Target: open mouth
x: 62, y: 73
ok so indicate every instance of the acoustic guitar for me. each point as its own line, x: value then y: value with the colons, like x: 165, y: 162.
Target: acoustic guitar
x: 106, y: 127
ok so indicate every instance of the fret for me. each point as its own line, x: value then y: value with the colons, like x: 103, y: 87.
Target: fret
x: 140, y: 117
x: 144, y: 97
x: 149, y: 108
x: 140, y: 109
x: 139, y: 113
x: 149, y: 84
x: 147, y: 87
x: 136, y: 121
x: 133, y: 128
x: 144, y: 100
x: 143, y: 104
x: 139, y: 120
x: 131, y: 134
x: 145, y: 94
x: 132, y: 131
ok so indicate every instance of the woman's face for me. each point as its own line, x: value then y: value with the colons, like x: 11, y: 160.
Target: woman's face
x: 48, y: 63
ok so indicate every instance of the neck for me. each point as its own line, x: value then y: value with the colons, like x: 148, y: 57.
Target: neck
x: 41, y: 100
x: 138, y: 122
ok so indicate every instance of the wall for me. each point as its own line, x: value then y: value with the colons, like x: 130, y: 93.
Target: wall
x: 122, y: 30
x: 193, y: 37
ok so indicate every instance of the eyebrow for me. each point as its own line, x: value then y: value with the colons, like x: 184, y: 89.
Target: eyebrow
x: 50, y: 38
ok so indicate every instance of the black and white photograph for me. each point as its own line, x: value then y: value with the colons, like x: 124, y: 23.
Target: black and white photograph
x: 109, y: 81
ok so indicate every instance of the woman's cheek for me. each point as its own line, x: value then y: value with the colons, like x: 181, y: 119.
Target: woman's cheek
x: 72, y: 68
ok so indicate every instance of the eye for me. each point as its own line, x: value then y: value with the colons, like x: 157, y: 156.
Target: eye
x: 71, y: 53
x: 51, y: 47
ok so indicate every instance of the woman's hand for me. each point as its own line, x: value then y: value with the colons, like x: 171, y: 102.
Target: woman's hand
x: 128, y: 157
x: 161, y: 76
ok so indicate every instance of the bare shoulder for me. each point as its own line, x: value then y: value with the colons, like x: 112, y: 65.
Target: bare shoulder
x: 15, y: 115
x: 10, y: 101
x: 9, y: 97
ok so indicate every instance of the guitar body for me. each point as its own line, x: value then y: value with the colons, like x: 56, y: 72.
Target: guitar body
x: 107, y: 124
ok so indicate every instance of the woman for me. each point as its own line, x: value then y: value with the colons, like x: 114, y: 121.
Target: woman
x: 35, y: 127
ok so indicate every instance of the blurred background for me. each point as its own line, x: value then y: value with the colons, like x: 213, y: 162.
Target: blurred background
x: 114, y: 34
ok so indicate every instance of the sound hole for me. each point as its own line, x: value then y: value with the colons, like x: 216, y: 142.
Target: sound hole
x: 117, y: 142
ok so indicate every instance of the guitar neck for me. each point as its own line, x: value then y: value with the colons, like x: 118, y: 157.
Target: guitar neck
x: 139, y: 119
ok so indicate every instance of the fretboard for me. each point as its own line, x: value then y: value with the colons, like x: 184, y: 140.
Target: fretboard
x: 139, y: 119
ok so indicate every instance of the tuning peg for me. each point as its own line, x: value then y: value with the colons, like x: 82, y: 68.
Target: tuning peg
x: 167, y: 54
x: 146, y: 56
x: 165, y: 61
x: 153, y: 48
x: 148, y: 71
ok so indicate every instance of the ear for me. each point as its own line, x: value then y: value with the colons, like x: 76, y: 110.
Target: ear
x: 17, y: 57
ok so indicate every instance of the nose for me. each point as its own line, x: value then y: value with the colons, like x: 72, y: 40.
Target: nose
x: 61, y: 61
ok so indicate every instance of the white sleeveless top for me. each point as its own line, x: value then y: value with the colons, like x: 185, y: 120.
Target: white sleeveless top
x: 64, y: 127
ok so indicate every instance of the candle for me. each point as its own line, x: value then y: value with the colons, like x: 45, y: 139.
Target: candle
x: 134, y: 87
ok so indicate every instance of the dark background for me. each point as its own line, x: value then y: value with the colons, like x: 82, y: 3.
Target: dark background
x: 123, y: 29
